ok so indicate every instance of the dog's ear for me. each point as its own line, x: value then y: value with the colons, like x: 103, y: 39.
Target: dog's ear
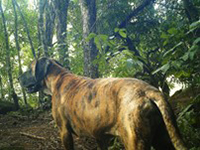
x: 41, y: 68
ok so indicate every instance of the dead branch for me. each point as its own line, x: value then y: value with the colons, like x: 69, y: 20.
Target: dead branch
x: 135, y: 12
x: 32, y: 136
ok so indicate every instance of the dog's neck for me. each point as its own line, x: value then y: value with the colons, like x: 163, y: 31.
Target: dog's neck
x: 54, y: 74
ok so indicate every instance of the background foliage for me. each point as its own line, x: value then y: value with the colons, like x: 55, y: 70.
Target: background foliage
x: 159, y: 44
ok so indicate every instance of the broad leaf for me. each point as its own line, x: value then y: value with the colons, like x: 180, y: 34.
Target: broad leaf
x: 116, y: 30
x: 164, y: 35
x: 196, y: 41
x: 164, y: 68
x: 195, y: 25
x: 185, y: 56
x: 90, y: 36
x: 172, y: 49
x: 123, y: 33
x: 172, y: 31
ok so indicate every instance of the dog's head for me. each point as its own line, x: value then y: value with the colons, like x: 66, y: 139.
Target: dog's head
x: 32, y: 80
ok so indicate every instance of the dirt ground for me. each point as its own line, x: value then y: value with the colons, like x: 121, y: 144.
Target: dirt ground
x: 18, y: 132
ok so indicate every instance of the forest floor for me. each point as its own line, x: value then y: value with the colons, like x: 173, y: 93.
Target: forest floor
x: 34, y: 132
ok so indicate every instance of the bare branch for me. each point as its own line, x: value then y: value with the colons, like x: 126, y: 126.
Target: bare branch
x: 135, y: 12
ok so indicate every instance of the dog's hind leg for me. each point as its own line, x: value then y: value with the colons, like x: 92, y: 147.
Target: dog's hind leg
x: 67, y: 139
x: 133, y: 139
x: 136, y: 125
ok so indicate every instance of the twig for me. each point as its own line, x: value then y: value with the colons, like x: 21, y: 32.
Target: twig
x: 32, y: 136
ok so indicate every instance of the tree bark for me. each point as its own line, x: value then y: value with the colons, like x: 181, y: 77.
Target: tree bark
x: 49, y: 24
x: 61, y: 9
x: 26, y: 28
x: 1, y: 88
x: 18, y: 49
x: 9, y: 68
x: 45, y: 32
x: 46, y: 20
x: 42, y: 4
x: 88, y: 11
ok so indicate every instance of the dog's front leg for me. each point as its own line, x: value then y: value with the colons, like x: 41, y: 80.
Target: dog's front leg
x: 67, y: 139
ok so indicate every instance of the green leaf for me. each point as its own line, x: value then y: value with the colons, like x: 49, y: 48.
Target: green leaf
x: 164, y: 68
x: 103, y: 37
x: 196, y: 41
x: 194, y: 47
x: 164, y: 35
x: 177, y: 64
x: 128, y: 53
x: 165, y: 42
x: 185, y: 56
x: 90, y: 36
x: 97, y: 42
x: 172, y: 31
x: 116, y: 30
x: 140, y: 64
x: 182, y: 113
x: 184, y: 73
x: 192, y: 53
x: 195, y: 25
x: 123, y: 33
x: 172, y: 49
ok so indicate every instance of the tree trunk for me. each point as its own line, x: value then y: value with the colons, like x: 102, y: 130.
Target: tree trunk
x: 18, y: 49
x: 9, y: 68
x: 45, y: 32
x: 1, y: 89
x: 42, y: 5
x: 46, y: 19
x: 61, y: 9
x: 88, y: 11
x: 49, y: 24
x: 26, y: 28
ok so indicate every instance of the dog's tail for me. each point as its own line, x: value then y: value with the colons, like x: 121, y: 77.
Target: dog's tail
x: 168, y: 118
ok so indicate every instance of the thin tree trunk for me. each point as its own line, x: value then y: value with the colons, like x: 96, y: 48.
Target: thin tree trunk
x: 45, y: 31
x: 1, y: 89
x: 39, y: 50
x: 88, y: 11
x: 61, y: 9
x: 9, y: 68
x: 42, y: 5
x: 49, y: 24
x: 41, y: 38
x: 26, y: 28
x: 18, y: 49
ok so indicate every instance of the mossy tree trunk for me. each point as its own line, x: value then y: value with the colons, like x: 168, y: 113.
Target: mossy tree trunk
x: 9, y: 67
x: 88, y: 11
x: 1, y: 89
x: 18, y: 49
x: 61, y: 10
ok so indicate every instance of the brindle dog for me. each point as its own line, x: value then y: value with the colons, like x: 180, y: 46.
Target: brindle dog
x: 128, y: 108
